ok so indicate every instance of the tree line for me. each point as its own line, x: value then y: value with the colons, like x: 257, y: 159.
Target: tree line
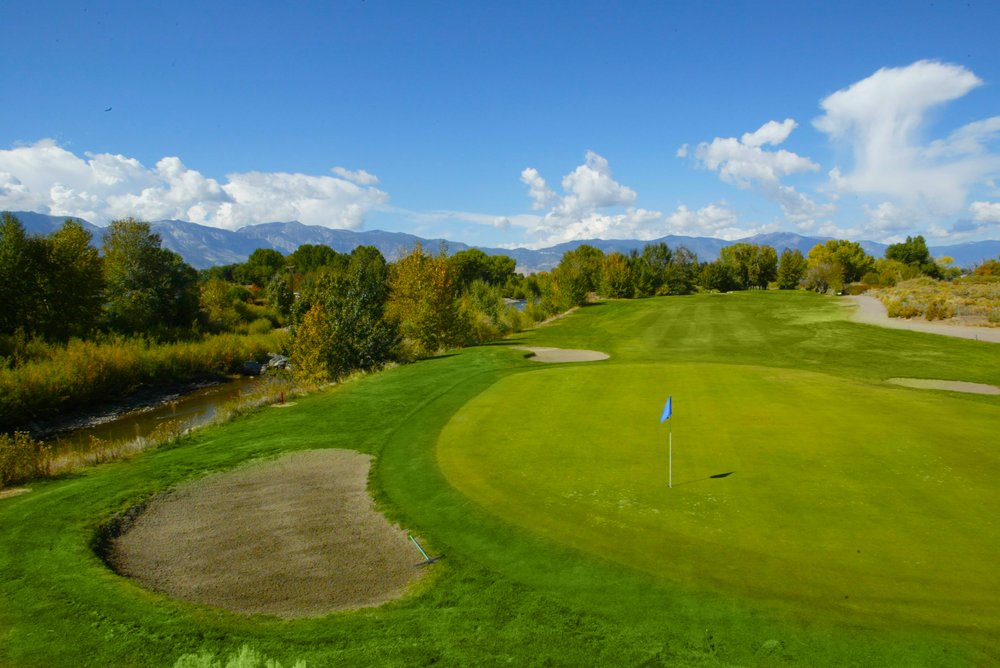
x: 351, y: 311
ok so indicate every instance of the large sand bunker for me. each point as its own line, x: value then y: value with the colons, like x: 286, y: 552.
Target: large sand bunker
x: 556, y: 355
x: 293, y: 537
x: 951, y: 385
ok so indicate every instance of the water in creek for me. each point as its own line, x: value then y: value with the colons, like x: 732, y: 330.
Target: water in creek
x: 192, y: 409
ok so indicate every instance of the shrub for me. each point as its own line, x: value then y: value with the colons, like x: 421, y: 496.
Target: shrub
x: 938, y: 309
x: 22, y: 458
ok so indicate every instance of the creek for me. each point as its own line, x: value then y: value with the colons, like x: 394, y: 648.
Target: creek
x: 190, y: 409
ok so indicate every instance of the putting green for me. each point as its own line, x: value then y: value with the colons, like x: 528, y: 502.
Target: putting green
x: 846, y: 500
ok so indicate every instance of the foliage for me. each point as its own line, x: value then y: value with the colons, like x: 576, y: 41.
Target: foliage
x: 148, y: 288
x: 791, y: 269
x: 50, y: 286
x: 719, y: 276
x: 972, y: 299
x: 913, y: 252
x: 423, y: 301
x: 827, y: 276
x: 475, y: 265
x: 22, y: 458
x: 280, y: 296
x: 617, y: 278
x: 988, y: 268
x: 751, y: 265
x: 312, y: 348
x: 308, y: 258
x: 81, y: 373
x: 846, y: 257
x: 260, y: 267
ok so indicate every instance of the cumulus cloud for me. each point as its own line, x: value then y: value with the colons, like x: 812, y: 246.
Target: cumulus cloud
x: 581, y: 212
x: 744, y: 162
x: 541, y: 195
x: 985, y: 212
x: 99, y: 187
x: 882, y: 119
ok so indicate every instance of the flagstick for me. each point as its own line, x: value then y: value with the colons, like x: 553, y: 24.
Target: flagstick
x: 670, y: 480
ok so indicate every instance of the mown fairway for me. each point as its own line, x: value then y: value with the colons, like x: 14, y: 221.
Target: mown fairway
x: 545, y: 489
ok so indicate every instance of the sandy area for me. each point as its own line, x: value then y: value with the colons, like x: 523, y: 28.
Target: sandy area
x: 872, y: 312
x: 951, y: 385
x: 557, y: 355
x: 293, y: 537
x: 13, y: 491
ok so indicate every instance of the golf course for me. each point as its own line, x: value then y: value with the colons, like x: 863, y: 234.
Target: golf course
x: 800, y: 506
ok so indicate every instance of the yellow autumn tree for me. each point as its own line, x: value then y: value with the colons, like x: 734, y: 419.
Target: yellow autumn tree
x: 312, y: 347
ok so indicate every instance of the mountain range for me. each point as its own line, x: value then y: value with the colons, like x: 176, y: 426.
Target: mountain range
x: 202, y: 246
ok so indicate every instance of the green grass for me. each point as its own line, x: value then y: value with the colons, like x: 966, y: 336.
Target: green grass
x: 531, y: 577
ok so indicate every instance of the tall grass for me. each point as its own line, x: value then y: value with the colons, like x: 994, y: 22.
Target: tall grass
x: 83, y: 373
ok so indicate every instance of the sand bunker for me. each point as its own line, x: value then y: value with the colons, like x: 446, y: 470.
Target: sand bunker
x: 556, y: 355
x: 951, y: 385
x: 293, y: 537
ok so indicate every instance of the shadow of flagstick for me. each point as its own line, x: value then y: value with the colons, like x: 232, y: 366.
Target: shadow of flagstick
x: 711, y: 477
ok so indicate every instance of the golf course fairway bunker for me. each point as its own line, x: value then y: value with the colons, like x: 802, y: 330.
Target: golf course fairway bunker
x: 949, y: 385
x: 292, y: 537
x: 562, y: 355
x: 825, y: 497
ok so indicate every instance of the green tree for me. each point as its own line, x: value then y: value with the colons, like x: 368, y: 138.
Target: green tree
x: 577, y: 275
x: 681, y: 274
x: 363, y: 338
x: 791, y: 269
x: 279, y: 295
x: 70, y: 275
x: 424, y: 302
x: 312, y: 347
x: 719, y: 276
x: 914, y: 252
x: 148, y: 288
x: 311, y: 257
x: 848, y: 256
x: 751, y: 265
x: 617, y: 281
x: 262, y: 264
x: 17, y: 274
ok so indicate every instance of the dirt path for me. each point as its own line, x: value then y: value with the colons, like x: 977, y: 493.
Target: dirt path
x: 294, y: 537
x: 557, y: 355
x: 872, y: 312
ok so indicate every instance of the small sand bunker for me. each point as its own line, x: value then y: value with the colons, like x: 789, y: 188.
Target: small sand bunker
x: 293, y: 537
x: 556, y: 355
x: 951, y: 385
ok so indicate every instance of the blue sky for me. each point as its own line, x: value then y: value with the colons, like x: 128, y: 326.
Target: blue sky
x: 510, y: 123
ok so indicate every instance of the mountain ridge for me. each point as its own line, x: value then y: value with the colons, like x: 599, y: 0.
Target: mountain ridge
x: 202, y: 246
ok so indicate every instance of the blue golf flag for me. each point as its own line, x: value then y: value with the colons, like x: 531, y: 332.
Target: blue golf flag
x: 668, y: 409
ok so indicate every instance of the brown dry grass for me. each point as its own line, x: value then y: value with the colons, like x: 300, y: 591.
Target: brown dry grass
x: 294, y: 537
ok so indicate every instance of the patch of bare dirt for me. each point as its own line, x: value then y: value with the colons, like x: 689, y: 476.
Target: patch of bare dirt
x: 951, y: 385
x: 557, y: 355
x: 294, y: 537
x: 13, y: 491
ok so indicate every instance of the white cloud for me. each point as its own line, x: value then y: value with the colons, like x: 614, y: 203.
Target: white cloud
x: 360, y: 177
x: 541, y: 195
x: 985, y: 212
x: 713, y: 220
x: 580, y: 212
x: 744, y: 163
x: 47, y: 178
x: 771, y: 132
x: 882, y: 117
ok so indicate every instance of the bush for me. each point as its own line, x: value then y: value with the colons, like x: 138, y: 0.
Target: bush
x: 938, y: 309
x: 22, y: 458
